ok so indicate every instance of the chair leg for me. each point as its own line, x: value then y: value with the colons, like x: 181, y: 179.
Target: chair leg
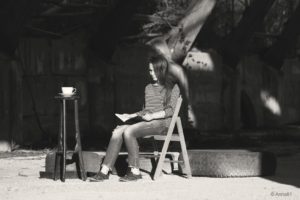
x: 161, y: 159
x: 155, y: 148
x: 162, y: 156
x: 183, y: 149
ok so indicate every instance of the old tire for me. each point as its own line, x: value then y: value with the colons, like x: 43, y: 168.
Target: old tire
x: 230, y: 163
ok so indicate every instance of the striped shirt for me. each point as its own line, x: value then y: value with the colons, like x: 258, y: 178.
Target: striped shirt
x: 154, y: 101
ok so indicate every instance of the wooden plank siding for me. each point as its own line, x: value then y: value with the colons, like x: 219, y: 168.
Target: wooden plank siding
x: 47, y: 65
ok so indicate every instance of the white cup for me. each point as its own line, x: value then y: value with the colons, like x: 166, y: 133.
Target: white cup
x: 68, y: 90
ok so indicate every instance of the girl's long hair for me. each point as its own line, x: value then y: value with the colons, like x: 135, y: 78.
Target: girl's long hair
x: 160, y: 66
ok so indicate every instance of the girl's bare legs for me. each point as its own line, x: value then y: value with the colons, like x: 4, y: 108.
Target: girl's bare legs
x: 141, y: 129
x: 114, y: 146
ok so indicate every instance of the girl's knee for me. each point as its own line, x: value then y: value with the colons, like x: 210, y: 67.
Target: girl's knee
x: 117, y: 133
x: 128, y: 133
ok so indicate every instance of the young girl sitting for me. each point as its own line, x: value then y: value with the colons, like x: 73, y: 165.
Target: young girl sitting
x: 160, y: 101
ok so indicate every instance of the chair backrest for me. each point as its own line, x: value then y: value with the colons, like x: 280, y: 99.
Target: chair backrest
x: 172, y: 123
x: 175, y: 116
x: 177, y: 108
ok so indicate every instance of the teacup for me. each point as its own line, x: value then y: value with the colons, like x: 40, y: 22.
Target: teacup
x: 68, y: 90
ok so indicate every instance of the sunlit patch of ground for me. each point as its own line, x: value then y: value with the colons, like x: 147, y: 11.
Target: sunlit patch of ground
x: 19, y: 179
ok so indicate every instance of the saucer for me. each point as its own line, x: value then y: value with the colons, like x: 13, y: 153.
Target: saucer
x: 66, y: 95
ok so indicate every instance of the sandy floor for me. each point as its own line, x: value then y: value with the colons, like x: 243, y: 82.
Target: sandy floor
x: 19, y: 179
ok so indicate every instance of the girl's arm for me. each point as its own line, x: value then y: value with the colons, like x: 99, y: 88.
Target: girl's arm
x: 155, y: 115
x: 169, y: 109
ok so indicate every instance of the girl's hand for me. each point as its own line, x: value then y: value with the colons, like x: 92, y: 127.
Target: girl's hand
x: 148, y: 117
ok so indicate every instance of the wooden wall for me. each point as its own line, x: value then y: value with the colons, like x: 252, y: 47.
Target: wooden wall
x: 47, y: 65
x: 10, y: 103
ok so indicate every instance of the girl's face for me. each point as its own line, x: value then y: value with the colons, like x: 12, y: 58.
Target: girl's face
x: 152, y: 73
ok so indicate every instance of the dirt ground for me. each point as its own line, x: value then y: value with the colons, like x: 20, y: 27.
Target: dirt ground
x: 19, y: 179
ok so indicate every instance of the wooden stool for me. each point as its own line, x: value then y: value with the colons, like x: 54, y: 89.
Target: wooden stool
x: 62, y: 144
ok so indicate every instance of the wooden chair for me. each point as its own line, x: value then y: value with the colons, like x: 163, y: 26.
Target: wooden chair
x: 174, y: 137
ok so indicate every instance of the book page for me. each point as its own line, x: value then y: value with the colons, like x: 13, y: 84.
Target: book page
x: 122, y: 117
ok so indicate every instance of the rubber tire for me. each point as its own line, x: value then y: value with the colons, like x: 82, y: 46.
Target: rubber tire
x: 230, y: 163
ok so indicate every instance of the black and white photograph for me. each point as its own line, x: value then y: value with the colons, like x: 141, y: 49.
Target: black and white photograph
x: 149, y: 99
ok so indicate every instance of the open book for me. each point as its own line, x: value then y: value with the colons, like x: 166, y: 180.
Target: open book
x: 126, y: 119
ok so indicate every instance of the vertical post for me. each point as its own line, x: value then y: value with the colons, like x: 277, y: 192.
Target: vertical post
x: 78, y: 147
x: 64, y: 141
x: 183, y: 149
x: 60, y: 143
x: 164, y: 151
